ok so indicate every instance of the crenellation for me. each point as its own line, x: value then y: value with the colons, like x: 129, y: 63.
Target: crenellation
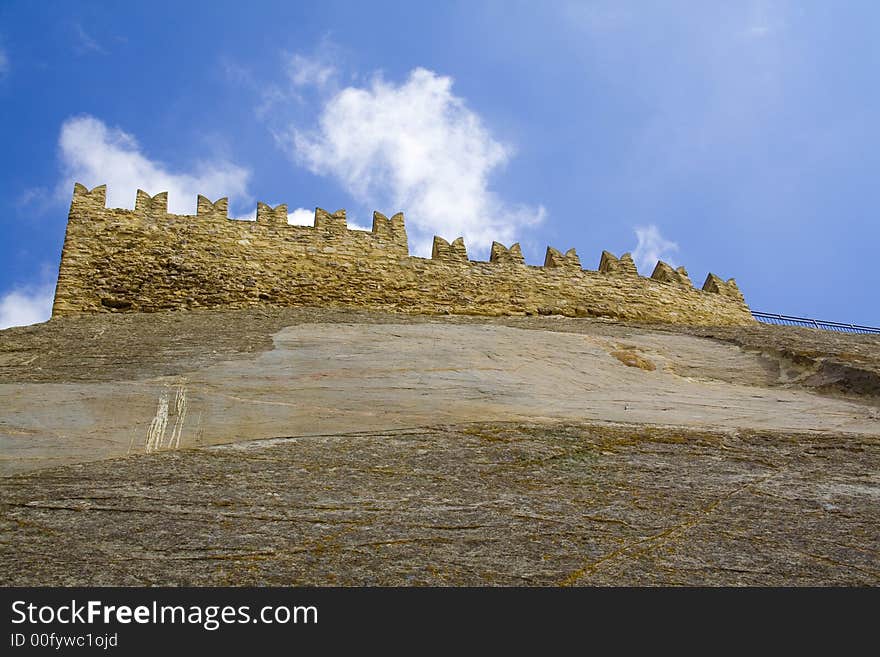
x: 500, y: 254
x: 623, y: 266
x: 330, y: 222
x: 555, y: 258
x: 83, y: 199
x: 217, y: 209
x: 151, y: 206
x: 716, y: 285
x: 392, y: 232
x: 381, y: 225
x: 398, y: 224
x: 146, y: 260
x: 454, y: 252
x: 683, y: 276
x: 269, y: 216
x: 665, y: 273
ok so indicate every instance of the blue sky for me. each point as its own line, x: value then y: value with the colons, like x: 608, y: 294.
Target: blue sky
x: 734, y: 137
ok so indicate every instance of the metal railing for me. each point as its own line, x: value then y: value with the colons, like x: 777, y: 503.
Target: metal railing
x: 786, y: 320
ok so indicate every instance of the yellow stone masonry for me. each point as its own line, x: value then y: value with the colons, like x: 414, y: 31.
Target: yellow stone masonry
x: 147, y: 260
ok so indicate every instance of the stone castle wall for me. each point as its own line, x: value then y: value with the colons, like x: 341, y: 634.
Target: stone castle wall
x: 146, y: 260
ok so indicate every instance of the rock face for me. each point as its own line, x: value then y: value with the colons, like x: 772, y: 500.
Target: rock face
x: 148, y: 260
x: 104, y: 385
x: 318, y: 446
x: 479, y: 504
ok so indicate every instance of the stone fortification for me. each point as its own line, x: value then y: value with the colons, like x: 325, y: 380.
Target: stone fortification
x: 146, y: 260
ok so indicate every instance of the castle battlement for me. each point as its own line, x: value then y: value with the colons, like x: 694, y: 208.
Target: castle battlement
x: 148, y: 259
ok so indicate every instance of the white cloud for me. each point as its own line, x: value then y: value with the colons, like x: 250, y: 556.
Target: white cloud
x: 26, y: 305
x: 651, y: 247
x: 415, y: 147
x: 304, y: 71
x: 301, y: 217
x: 4, y: 63
x: 306, y: 217
x: 93, y: 154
